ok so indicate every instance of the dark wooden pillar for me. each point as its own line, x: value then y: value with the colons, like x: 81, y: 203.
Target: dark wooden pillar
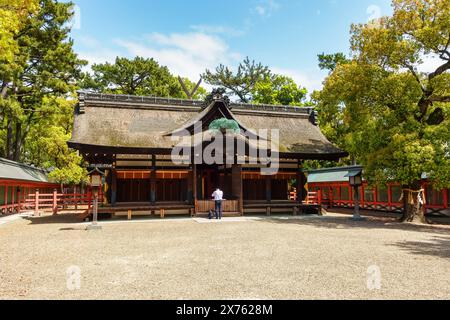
x: 153, y: 181
x: 237, y: 186
x: 269, y: 188
x: 194, y: 186
x: 190, y: 187
x: 113, y: 186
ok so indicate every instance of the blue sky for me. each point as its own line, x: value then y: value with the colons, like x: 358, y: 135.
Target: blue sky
x: 190, y: 36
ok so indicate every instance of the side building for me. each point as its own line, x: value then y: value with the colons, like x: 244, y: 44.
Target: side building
x: 333, y: 189
x: 17, y: 182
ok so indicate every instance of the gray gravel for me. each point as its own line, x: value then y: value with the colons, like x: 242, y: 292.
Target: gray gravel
x: 313, y: 258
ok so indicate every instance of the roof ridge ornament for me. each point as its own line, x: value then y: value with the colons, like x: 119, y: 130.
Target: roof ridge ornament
x: 217, y: 94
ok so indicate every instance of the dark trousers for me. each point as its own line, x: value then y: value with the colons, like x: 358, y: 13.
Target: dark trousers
x: 219, y: 210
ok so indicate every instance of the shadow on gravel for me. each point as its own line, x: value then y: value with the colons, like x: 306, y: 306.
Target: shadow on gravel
x: 58, y: 219
x: 345, y: 223
x: 438, y: 247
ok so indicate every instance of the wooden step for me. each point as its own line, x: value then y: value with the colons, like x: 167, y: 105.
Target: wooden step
x: 86, y: 214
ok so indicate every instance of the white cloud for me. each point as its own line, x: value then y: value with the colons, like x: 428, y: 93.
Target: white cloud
x: 217, y: 29
x: 266, y: 8
x: 430, y: 63
x: 185, y: 54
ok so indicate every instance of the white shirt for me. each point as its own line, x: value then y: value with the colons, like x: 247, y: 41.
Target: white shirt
x: 218, y: 195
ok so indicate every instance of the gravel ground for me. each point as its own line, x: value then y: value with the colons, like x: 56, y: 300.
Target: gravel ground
x: 301, y: 258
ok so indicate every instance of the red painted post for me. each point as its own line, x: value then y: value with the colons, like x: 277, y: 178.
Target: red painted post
x: 331, y: 196
x: 445, y: 191
x: 13, y: 198
x: 340, y: 196
x: 89, y: 200
x: 18, y: 200
x: 363, y: 196
x: 55, y: 202
x: 6, y: 199
x: 350, y: 192
x: 36, y: 203
x: 319, y: 195
x: 390, y: 197
x: 375, y: 198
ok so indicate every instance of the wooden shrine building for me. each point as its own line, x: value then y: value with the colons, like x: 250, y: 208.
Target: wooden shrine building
x: 132, y: 140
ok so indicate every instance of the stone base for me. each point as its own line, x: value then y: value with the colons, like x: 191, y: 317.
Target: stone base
x: 358, y: 219
x: 93, y: 227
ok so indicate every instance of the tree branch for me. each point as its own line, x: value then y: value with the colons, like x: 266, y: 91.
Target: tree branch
x: 416, y: 76
x: 4, y: 90
x: 440, y: 70
x: 440, y: 98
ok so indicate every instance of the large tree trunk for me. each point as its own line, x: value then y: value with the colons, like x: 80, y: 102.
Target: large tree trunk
x: 414, y: 204
x: 9, y: 140
x: 18, y: 142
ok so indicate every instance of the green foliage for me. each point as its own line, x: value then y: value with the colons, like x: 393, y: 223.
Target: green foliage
x: 13, y: 15
x: 139, y: 76
x: 37, y: 75
x: 331, y: 61
x: 255, y: 83
x: 243, y: 82
x: 46, y: 143
x: 280, y: 90
x: 392, y: 118
x: 224, y: 124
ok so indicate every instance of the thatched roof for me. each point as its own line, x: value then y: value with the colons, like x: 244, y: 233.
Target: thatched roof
x: 107, y: 122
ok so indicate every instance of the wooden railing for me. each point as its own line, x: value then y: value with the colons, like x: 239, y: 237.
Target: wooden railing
x: 314, y: 198
x: 55, y: 202
x: 228, y: 206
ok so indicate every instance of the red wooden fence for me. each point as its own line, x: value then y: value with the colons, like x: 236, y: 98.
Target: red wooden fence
x: 331, y: 194
x: 55, y: 202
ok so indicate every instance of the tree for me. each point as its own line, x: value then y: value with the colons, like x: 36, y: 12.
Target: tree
x: 40, y: 65
x: 44, y: 64
x: 280, y: 90
x: 46, y: 144
x: 243, y: 82
x: 331, y: 61
x: 139, y: 76
x: 392, y: 117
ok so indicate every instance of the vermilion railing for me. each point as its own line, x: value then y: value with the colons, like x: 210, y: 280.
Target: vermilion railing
x: 55, y: 202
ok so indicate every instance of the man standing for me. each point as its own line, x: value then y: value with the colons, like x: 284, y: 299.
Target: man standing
x: 218, y: 198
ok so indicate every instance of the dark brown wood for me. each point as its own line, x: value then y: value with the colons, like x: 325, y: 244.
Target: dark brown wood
x: 153, y: 181
x: 194, y: 186
x: 113, y: 186
x: 269, y: 189
x: 237, y: 186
